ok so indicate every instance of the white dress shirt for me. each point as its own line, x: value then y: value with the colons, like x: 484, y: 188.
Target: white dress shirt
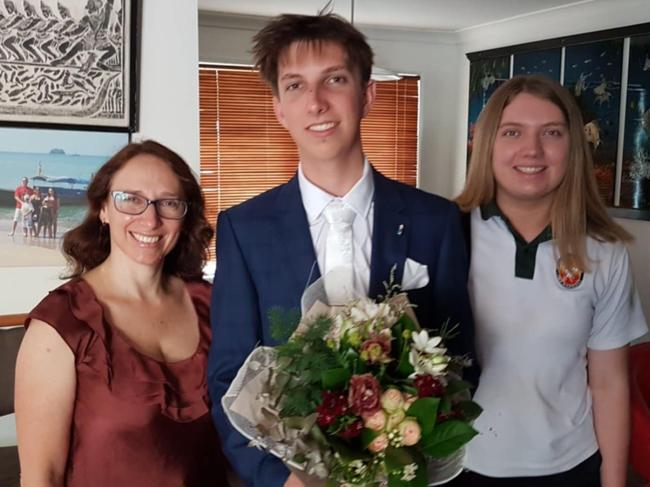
x: 360, y: 199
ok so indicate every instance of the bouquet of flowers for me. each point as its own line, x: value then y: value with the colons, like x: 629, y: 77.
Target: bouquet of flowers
x: 357, y: 395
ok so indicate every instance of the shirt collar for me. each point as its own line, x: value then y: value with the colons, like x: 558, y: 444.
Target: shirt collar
x: 491, y: 209
x: 359, y: 198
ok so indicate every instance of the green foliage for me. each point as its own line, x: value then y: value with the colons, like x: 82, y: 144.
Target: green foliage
x: 397, y: 458
x: 404, y: 367
x: 445, y: 405
x: 446, y: 438
x: 283, y: 323
x: 367, y: 437
x: 456, y: 386
x: 302, y: 360
x: 402, y: 331
x: 408, y: 323
x: 469, y: 410
x: 335, y: 379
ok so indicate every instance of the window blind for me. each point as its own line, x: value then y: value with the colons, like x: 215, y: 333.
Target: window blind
x: 245, y: 151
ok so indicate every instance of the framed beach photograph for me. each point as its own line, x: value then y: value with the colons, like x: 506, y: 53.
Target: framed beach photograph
x: 69, y: 62
x: 44, y: 175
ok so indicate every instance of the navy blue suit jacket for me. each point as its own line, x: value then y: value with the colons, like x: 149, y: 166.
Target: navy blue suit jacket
x: 266, y: 258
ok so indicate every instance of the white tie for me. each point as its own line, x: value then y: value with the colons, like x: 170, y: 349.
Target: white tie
x: 339, y: 274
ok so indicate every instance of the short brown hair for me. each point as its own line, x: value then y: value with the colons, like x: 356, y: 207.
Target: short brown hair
x: 282, y: 31
x: 577, y: 209
x: 88, y: 245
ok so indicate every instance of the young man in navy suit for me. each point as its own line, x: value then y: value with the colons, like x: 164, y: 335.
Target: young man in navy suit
x: 271, y: 247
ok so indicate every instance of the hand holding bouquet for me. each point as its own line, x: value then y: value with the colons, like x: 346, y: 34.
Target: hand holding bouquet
x: 358, y: 395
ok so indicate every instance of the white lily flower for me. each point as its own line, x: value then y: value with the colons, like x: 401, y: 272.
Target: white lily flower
x: 424, y: 344
x: 423, y: 363
x: 364, y: 310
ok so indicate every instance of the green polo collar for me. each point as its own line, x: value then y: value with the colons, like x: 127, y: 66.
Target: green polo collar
x: 526, y: 251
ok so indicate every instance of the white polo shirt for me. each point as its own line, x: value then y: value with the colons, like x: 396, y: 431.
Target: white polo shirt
x: 532, y: 335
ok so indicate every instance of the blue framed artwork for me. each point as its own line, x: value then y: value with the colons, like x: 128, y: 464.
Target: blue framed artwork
x: 547, y: 62
x: 635, y: 176
x: 617, y: 118
x: 485, y: 76
x: 592, y: 72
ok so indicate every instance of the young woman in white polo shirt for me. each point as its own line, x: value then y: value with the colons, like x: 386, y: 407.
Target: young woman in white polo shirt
x: 553, y: 299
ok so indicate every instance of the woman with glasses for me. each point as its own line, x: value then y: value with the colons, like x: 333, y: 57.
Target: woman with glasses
x: 110, y: 379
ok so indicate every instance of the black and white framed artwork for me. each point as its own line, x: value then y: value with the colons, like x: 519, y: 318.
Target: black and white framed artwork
x: 68, y: 62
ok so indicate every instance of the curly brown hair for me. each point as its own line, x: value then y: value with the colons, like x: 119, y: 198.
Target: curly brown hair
x: 276, y: 37
x: 88, y: 245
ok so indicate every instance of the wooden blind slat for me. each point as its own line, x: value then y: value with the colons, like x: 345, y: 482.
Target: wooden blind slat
x: 245, y: 151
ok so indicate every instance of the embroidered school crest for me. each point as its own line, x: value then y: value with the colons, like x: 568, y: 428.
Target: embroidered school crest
x: 568, y: 276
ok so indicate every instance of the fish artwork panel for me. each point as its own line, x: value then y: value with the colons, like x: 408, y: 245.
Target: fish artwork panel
x: 635, y: 177
x: 593, y: 75
x: 485, y: 76
x: 547, y: 62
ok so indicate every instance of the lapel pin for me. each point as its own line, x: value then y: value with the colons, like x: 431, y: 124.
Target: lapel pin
x: 400, y: 229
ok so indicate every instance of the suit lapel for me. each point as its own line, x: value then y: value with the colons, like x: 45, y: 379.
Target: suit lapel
x: 297, y: 249
x: 391, y: 229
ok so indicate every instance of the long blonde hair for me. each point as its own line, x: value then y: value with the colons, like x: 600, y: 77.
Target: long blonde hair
x: 577, y: 210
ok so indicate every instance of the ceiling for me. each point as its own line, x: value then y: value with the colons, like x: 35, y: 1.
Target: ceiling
x: 436, y: 15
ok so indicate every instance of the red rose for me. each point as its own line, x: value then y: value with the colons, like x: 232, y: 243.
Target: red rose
x: 333, y: 405
x: 428, y: 386
x: 325, y: 419
x: 442, y: 416
x: 352, y: 430
x: 364, y: 394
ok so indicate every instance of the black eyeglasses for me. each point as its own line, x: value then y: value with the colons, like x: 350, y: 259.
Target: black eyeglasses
x: 133, y: 204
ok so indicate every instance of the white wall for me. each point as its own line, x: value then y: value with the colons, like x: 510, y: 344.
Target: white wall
x: 168, y: 113
x: 577, y: 19
x: 169, y: 89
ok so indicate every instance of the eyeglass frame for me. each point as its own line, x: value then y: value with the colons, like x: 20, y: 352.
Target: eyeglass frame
x: 149, y: 203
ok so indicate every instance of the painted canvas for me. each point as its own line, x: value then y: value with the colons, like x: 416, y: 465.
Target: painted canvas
x: 48, y: 171
x: 592, y: 72
x: 485, y: 76
x: 66, y: 62
x: 547, y: 62
x: 635, y: 180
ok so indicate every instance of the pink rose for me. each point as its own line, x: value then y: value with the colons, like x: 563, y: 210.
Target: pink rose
x: 379, y: 444
x: 410, y: 431
x: 364, y: 394
x: 392, y: 400
x: 375, y: 421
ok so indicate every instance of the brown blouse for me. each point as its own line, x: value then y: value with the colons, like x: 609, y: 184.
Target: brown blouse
x: 136, y: 421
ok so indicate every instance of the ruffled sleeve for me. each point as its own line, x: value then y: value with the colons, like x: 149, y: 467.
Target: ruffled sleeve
x: 56, y: 309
